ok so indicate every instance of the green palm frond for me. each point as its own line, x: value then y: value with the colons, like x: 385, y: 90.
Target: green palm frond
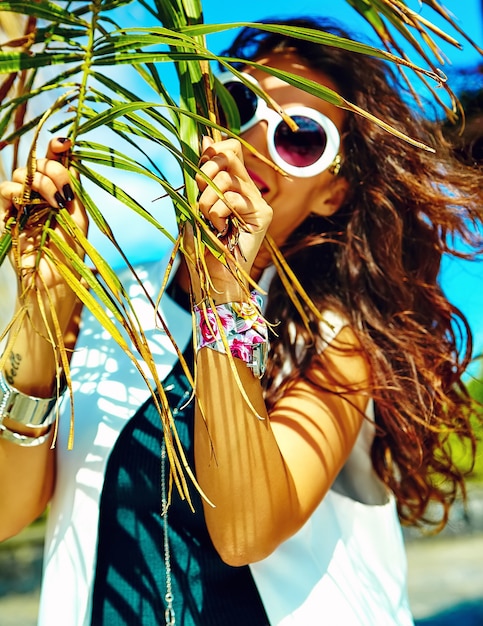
x: 69, y: 53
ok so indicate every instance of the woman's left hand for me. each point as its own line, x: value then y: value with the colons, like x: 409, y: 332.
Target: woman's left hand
x: 222, y: 163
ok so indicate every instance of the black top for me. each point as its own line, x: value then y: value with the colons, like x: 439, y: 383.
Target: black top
x: 130, y: 580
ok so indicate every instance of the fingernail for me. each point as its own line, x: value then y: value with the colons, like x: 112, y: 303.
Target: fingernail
x: 59, y: 198
x: 222, y: 233
x: 68, y: 193
x: 62, y: 139
x: 206, y: 141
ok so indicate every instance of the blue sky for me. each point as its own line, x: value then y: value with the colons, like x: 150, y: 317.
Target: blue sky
x: 468, y: 14
x: 463, y: 281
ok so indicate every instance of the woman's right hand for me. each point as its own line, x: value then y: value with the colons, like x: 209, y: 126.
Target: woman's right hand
x: 52, y: 182
x: 53, y: 308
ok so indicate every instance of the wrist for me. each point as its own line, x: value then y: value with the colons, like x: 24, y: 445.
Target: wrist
x: 222, y: 284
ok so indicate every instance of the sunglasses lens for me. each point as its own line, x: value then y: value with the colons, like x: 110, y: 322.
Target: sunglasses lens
x: 246, y: 100
x: 303, y: 147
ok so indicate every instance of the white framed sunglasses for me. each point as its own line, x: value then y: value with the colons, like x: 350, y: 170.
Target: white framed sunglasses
x: 303, y: 153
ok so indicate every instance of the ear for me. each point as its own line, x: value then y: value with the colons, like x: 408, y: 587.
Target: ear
x: 331, y: 197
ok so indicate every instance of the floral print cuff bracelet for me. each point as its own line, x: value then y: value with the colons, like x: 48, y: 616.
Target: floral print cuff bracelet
x: 243, y: 327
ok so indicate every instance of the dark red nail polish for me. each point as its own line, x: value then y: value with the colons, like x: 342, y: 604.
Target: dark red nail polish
x: 68, y: 193
x: 59, y: 198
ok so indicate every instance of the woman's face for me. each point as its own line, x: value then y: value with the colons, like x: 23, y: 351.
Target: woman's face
x: 292, y: 199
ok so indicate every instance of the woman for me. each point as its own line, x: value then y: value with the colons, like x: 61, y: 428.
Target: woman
x: 308, y: 468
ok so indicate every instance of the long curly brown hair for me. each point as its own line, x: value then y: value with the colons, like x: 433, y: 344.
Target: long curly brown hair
x: 377, y: 260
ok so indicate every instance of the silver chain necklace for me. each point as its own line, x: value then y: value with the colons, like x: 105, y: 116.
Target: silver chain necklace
x: 169, y: 614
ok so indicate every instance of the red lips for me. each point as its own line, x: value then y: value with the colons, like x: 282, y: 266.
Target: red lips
x: 260, y: 183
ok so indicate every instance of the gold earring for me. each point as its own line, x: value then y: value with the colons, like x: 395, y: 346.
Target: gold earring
x: 334, y: 167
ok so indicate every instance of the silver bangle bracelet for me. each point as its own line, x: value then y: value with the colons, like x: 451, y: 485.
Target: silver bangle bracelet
x: 23, y: 440
x: 28, y: 411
